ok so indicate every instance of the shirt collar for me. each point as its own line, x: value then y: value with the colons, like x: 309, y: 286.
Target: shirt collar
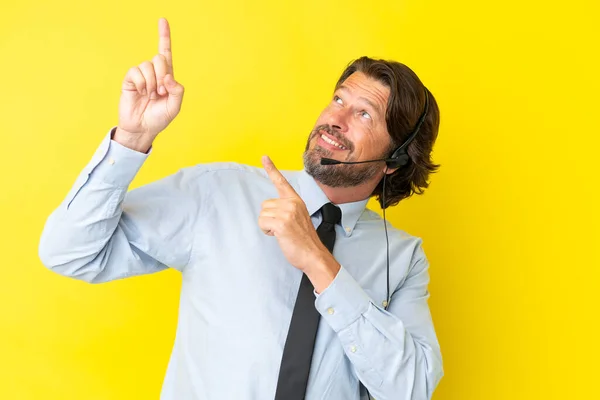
x: 315, y: 198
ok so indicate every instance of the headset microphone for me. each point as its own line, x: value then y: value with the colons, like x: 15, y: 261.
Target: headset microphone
x: 331, y: 161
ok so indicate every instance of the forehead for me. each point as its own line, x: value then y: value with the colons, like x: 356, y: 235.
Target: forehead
x: 360, y: 85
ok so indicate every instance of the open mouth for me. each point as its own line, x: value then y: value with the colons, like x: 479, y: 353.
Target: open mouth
x: 332, y: 143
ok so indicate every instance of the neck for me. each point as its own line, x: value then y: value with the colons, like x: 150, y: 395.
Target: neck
x: 341, y: 195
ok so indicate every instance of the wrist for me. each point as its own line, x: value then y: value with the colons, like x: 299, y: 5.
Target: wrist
x: 132, y: 141
x: 322, y: 271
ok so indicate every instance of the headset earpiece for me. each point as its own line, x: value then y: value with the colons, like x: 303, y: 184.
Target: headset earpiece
x: 398, y: 159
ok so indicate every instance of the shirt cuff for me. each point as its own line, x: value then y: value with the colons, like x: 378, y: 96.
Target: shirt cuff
x: 116, y: 164
x: 111, y: 163
x: 343, y: 301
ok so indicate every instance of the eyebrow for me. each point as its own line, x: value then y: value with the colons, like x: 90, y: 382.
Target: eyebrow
x: 369, y: 102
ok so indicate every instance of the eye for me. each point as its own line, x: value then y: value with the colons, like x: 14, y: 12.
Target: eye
x: 365, y: 114
x: 337, y: 99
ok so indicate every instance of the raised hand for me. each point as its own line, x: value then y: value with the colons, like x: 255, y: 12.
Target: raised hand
x: 287, y: 219
x: 150, y: 97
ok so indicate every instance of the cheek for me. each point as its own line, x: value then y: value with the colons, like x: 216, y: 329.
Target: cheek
x: 323, y: 118
x: 369, y: 146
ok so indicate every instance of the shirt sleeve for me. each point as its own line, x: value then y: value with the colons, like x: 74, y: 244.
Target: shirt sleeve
x: 101, y: 232
x: 394, y: 352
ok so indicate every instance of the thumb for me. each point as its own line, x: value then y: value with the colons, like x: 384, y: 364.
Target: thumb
x: 173, y: 87
x: 175, y: 94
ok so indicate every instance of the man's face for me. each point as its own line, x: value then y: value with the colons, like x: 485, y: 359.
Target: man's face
x: 354, y: 120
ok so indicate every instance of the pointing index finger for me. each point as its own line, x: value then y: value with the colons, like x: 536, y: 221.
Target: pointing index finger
x: 164, y: 42
x: 283, y: 187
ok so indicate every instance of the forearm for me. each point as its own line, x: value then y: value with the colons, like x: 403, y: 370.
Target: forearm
x: 79, y: 236
x: 389, y: 360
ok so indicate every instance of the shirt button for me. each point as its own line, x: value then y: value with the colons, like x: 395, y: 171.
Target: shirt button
x: 353, y: 349
x: 111, y: 161
x: 330, y: 311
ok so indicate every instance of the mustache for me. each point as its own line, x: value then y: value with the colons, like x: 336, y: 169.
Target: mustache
x: 341, y: 139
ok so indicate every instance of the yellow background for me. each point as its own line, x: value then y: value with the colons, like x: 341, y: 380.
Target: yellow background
x: 510, y: 222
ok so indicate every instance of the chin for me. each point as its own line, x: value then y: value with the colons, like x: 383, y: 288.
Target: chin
x: 314, y: 154
x: 336, y: 175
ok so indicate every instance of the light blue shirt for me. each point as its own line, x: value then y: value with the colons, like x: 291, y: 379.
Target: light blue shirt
x: 238, y: 290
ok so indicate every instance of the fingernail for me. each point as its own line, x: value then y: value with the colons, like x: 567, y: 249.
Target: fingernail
x: 162, y: 90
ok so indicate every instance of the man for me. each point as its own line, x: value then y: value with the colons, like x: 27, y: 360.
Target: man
x: 255, y: 270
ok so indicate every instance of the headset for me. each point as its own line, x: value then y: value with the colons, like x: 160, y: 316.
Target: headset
x: 399, y: 158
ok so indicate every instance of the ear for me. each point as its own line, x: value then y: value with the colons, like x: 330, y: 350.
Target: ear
x: 389, y: 171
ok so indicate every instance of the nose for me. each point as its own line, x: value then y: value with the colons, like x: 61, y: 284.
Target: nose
x: 338, y: 119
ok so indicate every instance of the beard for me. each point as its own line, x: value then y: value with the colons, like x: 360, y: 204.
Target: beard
x: 339, y: 175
